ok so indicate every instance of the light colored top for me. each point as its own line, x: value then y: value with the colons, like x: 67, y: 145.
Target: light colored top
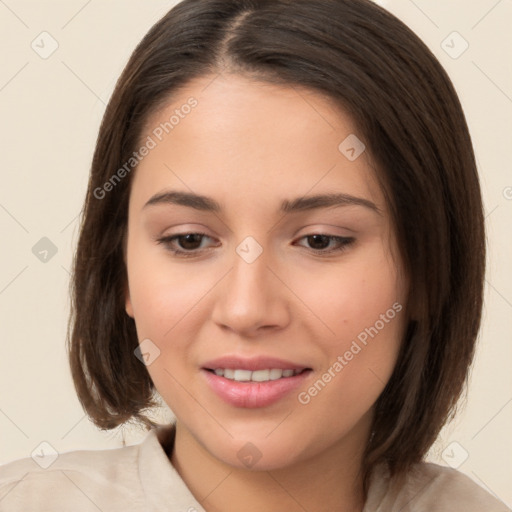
x: 141, y: 478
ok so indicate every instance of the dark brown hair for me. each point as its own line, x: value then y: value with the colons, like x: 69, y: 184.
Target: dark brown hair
x: 375, y: 68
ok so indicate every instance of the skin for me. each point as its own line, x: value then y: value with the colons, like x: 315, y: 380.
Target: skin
x: 249, y: 145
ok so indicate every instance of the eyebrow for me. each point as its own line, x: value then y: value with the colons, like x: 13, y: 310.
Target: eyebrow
x: 207, y: 204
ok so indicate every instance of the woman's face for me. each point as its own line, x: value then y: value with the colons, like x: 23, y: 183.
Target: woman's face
x: 283, y: 278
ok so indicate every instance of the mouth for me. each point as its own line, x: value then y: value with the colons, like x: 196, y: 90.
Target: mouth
x: 265, y: 375
x: 253, y: 383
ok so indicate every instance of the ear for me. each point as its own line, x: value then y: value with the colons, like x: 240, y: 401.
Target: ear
x: 128, y: 302
x: 127, y: 299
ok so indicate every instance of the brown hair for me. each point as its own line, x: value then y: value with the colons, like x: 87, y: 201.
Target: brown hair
x: 370, y: 64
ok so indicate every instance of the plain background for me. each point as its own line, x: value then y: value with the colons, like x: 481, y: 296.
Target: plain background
x: 50, y: 110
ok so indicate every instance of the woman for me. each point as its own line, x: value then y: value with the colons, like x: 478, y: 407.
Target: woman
x: 283, y: 237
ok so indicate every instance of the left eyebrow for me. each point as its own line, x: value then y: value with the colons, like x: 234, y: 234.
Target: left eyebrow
x: 326, y: 201
x: 209, y: 204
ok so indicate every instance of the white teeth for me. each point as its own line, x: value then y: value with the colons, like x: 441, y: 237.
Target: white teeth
x: 242, y: 375
x: 260, y: 375
x: 275, y: 374
x: 229, y: 374
x: 256, y: 376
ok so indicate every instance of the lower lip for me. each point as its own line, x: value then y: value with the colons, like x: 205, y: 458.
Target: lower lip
x: 252, y: 395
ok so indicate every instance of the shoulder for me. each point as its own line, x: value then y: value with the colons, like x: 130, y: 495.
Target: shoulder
x: 87, y: 479
x: 429, y: 487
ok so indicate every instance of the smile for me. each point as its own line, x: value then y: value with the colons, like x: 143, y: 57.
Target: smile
x: 264, y: 375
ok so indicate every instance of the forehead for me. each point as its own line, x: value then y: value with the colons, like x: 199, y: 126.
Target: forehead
x: 244, y: 137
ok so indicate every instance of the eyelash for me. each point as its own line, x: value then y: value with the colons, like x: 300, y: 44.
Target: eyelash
x: 167, y: 241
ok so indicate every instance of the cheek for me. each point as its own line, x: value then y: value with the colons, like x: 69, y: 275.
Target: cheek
x: 351, y: 296
x: 164, y: 302
x: 162, y: 295
x: 360, y: 305
x: 357, y: 366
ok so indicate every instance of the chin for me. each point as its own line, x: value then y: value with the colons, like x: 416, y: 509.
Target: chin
x: 258, y: 454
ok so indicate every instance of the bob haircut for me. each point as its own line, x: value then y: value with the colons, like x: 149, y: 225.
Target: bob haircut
x: 371, y: 65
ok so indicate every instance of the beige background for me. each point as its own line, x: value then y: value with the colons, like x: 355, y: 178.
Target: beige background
x: 50, y: 110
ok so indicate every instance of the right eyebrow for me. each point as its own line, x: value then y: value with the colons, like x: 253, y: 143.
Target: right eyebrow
x: 191, y: 200
x: 208, y: 204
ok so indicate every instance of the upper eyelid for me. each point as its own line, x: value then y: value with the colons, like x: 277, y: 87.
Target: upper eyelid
x: 309, y: 233
x: 174, y: 237
x: 311, y: 230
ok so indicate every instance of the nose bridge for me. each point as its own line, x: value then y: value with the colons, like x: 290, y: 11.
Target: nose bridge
x: 251, y: 296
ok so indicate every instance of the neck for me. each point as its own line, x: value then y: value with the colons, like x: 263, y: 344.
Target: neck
x: 330, y: 481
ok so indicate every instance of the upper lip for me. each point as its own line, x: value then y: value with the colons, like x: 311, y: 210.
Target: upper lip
x: 252, y: 363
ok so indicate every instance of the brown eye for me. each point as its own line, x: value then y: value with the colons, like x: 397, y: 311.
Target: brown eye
x: 184, y: 244
x: 320, y: 242
x: 190, y: 241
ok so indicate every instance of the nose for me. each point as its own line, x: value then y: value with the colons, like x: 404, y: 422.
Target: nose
x: 252, y: 298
